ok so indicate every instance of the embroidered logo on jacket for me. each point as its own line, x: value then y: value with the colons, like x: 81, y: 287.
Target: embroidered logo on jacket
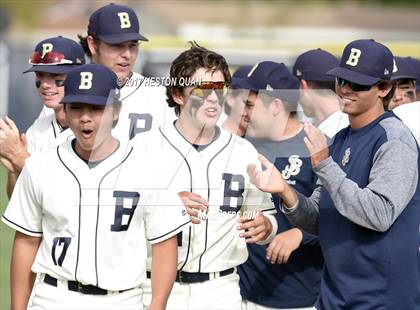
x: 346, y: 157
x: 293, y: 168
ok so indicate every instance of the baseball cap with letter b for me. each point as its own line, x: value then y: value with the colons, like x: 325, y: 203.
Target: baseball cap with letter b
x: 115, y: 24
x: 91, y: 84
x: 365, y: 62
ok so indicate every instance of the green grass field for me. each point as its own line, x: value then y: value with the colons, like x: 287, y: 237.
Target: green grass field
x: 6, y: 238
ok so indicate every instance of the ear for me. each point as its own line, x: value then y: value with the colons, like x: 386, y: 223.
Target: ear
x: 384, y: 89
x: 229, y: 101
x: 178, y: 97
x: 276, y: 106
x: 92, y: 45
x: 303, y: 84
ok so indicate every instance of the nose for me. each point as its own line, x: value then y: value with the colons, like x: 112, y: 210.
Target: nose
x: 126, y: 52
x: 213, y: 98
x: 398, y: 95
x: 85, y: 116
x: 47, y: 83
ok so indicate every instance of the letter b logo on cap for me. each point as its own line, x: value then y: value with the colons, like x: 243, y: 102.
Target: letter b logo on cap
x: 124, y: 19
x: 86, y: 80
x: 354, y: 56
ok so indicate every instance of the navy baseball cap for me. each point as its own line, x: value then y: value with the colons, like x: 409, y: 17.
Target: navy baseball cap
x: 57, y: 55
x: 273, y: 79
x: 365, y: 62
x: 402, y: 69
x: 91, y: 84
x: 313, y: 65
x: 115, y: 24
x: 240, y: 73
x: 415, y: 65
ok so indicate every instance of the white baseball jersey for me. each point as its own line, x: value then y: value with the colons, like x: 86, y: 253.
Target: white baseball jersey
x: 93, y: 228
x: 143, y: 107
x: 46, y: 133
x: 217, y: 173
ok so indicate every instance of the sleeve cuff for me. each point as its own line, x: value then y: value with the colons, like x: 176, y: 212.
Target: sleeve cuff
x: 273, y: 232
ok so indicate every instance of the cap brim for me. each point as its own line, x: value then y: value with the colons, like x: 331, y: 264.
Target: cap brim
x: 122, y: 37
x: 316, y: 77
x: 87, y: 99
x: 352, y: 76
x: 54, y: 69
x: 402, y: 76
x: 238, y: 83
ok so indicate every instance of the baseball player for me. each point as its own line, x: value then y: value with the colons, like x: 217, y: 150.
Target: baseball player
x: 369, y: 197
x: 199, y: 158
x: 236, y: 121
x: 52, y: 59
x: 287, y: 273
x: 405, y: 83
x: 77, y: 223
x: 112, y: 40
x: 318, y: 98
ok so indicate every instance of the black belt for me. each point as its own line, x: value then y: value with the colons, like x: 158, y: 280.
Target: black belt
x: 196, y: 277
x: 78, y: 287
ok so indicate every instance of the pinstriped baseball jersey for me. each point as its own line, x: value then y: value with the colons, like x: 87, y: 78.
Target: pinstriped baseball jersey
x: 46, y: 133
x: 93, y: 228
x: 218, y: 174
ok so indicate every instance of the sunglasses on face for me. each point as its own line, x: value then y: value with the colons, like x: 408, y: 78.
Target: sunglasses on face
x: 58, y: 83
x: 354, y: 86
x: 50, y: 58
x: 204, y: 89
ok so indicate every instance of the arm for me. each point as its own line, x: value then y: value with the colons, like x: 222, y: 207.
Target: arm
x: 22, y: 278
x: 164, y: 267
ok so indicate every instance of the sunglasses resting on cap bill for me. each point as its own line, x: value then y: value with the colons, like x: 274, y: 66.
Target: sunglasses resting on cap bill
x: 204, y: 89
x: 354, y: 86
x: 50, y: 58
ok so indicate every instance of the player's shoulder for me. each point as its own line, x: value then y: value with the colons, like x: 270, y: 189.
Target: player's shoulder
x: 42, y: 124
x: 395, y: 129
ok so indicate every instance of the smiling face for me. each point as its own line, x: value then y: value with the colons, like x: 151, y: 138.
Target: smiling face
x: 120, y: 58
x: 91, y: 125
x: 201, y: 112
x: 362, y: 106
x: 405, y: 92
x: 48, y: 91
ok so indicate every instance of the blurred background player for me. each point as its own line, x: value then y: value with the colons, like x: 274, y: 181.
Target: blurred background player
x: 318, y: 98
x: 287, y: 273
x: 73, y: 247
x: 200, y: 158
x: 113, y: 40
x: 405, y: 83
x: 52, y: 59
x: 236, y: 121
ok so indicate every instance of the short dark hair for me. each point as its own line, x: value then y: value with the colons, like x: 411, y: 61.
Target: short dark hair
x: 187, y: 63
x: 83, y: 42
x: 322, y: 85
x: 387, y: 99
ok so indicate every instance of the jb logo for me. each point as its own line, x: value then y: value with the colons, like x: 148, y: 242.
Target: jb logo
x: 46, y: 47
x: 124, y: 20
x: 354, y: 56
x: 86, y: 80
x: 346, y: 157
x: 293, y: 168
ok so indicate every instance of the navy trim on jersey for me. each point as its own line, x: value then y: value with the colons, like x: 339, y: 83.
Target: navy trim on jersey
x: 170, y: 231
x: 53, y: 128
x: 191, y: 189
x: 25, y: 229
x: 133, y: 90
x: 97, y: 213
x: 80, y: 206
x: 208, y: 199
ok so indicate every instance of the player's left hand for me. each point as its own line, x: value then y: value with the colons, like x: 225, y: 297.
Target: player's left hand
x: 283, y: 245
x: 195, y: 205
x: 13, y: 146
x: 316, y: 142
x: 256, y: 229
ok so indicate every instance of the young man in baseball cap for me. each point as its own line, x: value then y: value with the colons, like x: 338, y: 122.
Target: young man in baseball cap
x: 79, y: 224
x: 52, y: 59
x: 236, y: 121
x: 317, y: 96
x: 279, y: 276
x: 405, y: 83
x: 113, y: 40
x: 369, y: 197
